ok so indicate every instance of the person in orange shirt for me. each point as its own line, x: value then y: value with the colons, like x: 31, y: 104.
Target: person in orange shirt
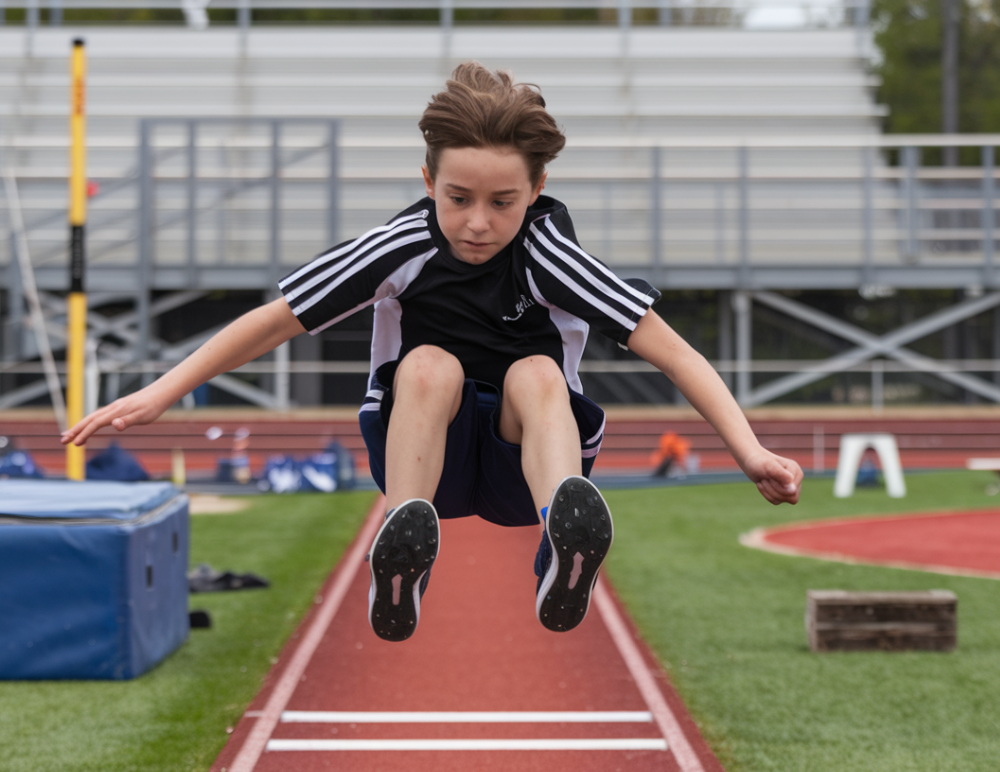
x: 673, y: 448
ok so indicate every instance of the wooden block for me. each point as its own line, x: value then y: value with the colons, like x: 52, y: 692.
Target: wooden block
x: 837, y: 620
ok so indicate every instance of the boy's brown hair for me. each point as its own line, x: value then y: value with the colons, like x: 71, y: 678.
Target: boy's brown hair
x: 484, y: 108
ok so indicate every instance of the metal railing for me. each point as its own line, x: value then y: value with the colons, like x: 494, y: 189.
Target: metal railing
x: 231, y: 204
x: 226, y: 203
x: 626, y: 14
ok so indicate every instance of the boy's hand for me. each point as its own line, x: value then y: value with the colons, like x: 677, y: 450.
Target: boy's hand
x: 777, y: 478
x: 142, y: 407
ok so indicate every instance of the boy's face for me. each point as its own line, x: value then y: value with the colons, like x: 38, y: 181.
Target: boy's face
x: 481, y: 195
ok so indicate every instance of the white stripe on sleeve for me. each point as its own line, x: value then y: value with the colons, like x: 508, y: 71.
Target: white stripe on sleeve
x: 596, y: 302
x: 551, y: 227
x: 609, y: 291
x: 339, y: 252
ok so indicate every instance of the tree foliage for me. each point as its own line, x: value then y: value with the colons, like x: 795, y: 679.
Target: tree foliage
x: 908, y: 32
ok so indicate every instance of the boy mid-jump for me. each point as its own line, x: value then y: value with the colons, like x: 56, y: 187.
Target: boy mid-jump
x: 483, y: 303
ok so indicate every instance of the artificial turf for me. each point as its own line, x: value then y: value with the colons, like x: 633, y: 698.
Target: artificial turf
x: 727, y: 623
x: 175, y: 717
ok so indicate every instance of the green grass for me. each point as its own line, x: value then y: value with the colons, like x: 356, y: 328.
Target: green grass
x: 727, y: 622
x: 174, y: 718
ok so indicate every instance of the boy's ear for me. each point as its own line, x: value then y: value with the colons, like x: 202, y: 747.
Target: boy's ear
x: 428, y: 182
x: 538, y: 188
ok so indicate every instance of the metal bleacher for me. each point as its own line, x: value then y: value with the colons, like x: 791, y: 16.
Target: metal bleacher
x: 725, y: 157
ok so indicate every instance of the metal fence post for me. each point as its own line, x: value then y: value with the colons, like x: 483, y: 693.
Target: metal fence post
x: 243, y: 16
x: 664, y: 13
x: 333, y: 186
x: 31, y: 15
x: 144, y: 268
x: 912, y: 243
x: 446, y: 14
x: 55, y: 13
x: 14, y: 343
x: 656, y: 215
x: 275, y: 185
x: 989, y: 217
x: 624, y: 15
x: 192, y: 203
x: 878, y: 378
x: 725, y: 333
x: 744, y: 337
x: 720, y: 223
x: 744, y: 217
x: 868, y: 271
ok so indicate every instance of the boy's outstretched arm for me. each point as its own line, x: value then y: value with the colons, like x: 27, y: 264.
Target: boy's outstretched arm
x: 777, y: 478
x: 249, y: 337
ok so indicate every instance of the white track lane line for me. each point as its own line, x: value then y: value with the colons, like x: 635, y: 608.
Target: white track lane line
x: 257, y: 739
x: 466, y: 717
x: 687, y: 759
x: 639, y: 744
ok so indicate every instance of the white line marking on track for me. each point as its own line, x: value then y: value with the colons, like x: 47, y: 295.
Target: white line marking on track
x: 258, y: 737
x: 638, y: 744
x: 687, y: 759
x: 759, y: 538
x: 465, y: 717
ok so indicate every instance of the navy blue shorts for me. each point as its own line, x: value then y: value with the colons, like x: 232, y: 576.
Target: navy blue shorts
x: 482, y: 473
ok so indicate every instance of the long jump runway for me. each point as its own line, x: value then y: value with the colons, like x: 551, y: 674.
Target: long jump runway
x: 481, y: 684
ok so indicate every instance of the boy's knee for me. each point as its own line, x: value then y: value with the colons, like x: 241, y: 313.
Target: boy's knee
x: 430, y: 369
x: 536, y: 375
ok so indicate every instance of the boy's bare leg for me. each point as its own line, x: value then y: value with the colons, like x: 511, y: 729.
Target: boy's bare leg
x: 427, y: 394
x: 536, y: 415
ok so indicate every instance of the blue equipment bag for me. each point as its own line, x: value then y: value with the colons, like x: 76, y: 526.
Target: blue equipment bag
x: 116, y: 463
x: 93, y: 578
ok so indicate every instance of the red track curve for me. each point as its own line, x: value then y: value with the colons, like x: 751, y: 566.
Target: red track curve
x: 600, y: 701
x: 961, y: 543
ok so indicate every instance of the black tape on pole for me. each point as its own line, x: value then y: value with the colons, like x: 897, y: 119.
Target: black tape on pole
x: 77, y: 258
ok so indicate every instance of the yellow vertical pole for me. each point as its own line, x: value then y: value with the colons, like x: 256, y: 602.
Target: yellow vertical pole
x: 77, y: 299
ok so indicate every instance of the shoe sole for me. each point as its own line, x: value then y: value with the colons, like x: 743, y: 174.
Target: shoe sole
x: 580, y: 532
x: 404, y: 549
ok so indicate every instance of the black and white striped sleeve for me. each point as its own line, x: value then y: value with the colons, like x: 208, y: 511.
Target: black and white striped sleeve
x: 353, y: 275
x: 579, y: 283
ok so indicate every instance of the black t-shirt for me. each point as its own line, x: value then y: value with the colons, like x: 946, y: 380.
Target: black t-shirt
x: 538, y: 295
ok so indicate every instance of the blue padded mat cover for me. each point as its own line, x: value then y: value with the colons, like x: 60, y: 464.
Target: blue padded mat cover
x: 63, y: 498
x: 92, y: 578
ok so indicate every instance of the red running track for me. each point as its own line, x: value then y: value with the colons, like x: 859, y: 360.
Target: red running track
x: 962, y: 543
x: 481, y: 685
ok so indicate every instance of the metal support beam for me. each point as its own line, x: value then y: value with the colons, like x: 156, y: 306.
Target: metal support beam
x: 665, y: 12
x: 989, y: 218
x: 14, y: 328
x: 890, y: 345
x: 656, y: 211
x: 275, y: 190
x: 725, y: 332
x: 333, y: 185
x: 624, y: 15
x: 911, y: 157
x: 744, y: 189
x: 867, y: 246
x: 743, y: 308
x: 145, y: 267
x: 244, y: 390
x: 192, y: 203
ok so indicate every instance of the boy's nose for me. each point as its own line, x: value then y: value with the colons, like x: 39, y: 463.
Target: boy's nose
x: 479, y: 220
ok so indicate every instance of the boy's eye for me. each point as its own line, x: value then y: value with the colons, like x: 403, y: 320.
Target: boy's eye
x: 502, y: 203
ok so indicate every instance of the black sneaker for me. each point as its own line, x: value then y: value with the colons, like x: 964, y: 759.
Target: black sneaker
x: 400, y: 561
x: 578, y: 532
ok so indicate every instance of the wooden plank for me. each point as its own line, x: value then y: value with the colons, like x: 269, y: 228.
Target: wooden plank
x: 838, y: 620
